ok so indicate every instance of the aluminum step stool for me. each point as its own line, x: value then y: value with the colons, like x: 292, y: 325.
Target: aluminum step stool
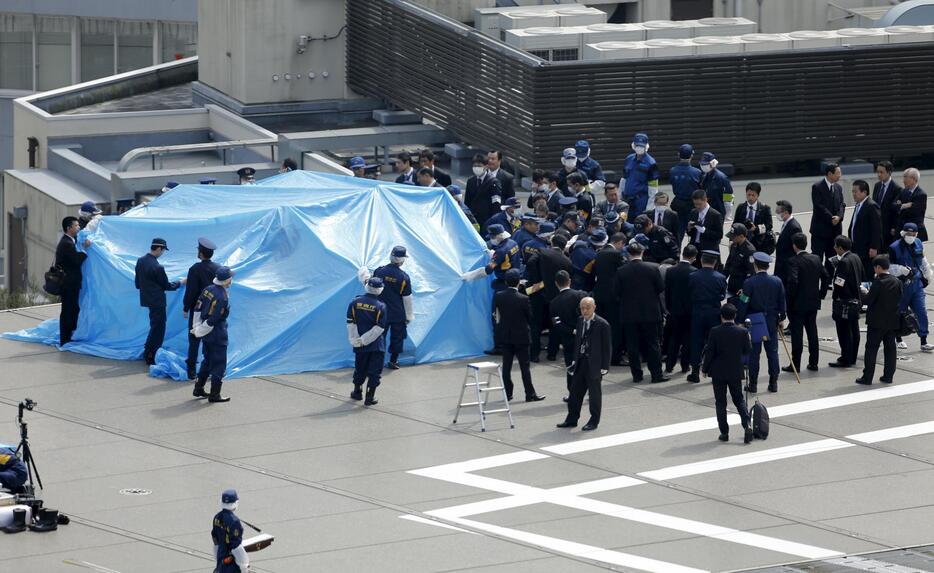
x: 482, y: 387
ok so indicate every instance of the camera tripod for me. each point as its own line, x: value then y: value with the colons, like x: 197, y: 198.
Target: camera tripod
x: 25, y: 451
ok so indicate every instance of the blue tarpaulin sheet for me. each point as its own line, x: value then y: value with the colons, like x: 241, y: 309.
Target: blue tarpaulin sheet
x: 295, y: 242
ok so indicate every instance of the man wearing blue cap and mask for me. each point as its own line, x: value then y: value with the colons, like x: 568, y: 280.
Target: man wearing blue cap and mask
x: 640, y: 175
x: 397, y: 296
x: 587, y: 164
x: 569, y: 166
x: 227, y: 533
x: 717, y: 185
x: 358, y: 166
x: 89, y: 216
x: 907, y: 257
x: 367, y: 320
x: 213, y: 308
x: 685, y: 180
x: 200, y: 276
x: 152, y: 282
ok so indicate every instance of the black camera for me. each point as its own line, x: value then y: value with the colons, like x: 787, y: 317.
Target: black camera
x: 26, y: 404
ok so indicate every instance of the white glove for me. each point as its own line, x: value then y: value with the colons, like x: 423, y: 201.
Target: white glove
x: 474, y: 274
x: 363, y: 274
x: 926, y: 270
x: 729, y: 210
x: 603, y: 372
x: 597, y: 187
x: 899, y: 270
x: 352, y: 335
x: 409, y: 312
x: 371, y: 335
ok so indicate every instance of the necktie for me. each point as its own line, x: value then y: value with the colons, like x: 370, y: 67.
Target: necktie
x: 751, y: 213
x: 658, y: 217
x: 853, y: 222
x: 882, y: 193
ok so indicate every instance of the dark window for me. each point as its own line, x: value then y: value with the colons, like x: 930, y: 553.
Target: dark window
x: 691, y: 9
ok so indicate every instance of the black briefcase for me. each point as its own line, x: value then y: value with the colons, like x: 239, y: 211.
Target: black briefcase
x: 54, y: 280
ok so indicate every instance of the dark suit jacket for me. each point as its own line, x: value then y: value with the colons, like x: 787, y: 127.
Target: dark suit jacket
x: 506, y: 183
x: 889, y: 213
x: 670, y: 221
x: 542, y: 268
x: 152, y: 282
x: 762, y: 217
x: 713, y: 230
x: 514, y: 313
x: 882, y: 302
x: 479, y: 198
x: 849, y: 271
x: 784, y: 249
x: 806, y: 274
x: 677, y: 295
x: 866, y: 230
x: 412, y: 181
x: 200, y: 276
x: 638, y: 286
x: 605, y: 265
x: 738, y: 266
x: 564, y: 310
x: 827, y: 203
x: 723, y: 355
x: 599, y: 345
x: 441, y: 177
x: 914, y: 214
x: 70, y: 260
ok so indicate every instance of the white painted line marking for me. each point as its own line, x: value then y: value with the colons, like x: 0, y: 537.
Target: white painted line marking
x: 864, y: 564
x: 894, y: 433
x: 427, y: 521
x: 857, y: 397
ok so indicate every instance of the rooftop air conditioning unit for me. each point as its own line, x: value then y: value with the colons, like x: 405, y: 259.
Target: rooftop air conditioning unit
x: 596, y: 33
x: 717, y: 45
x: 553, y: 44
x: 724, y: 27
x: 804, y: 39
x: 487, y: 20
x: 863, y: 36
x: 765, y: 42
x: 669, y: 29
x: 615, y: 51
x: 908, y: 34
x: 669, y: 48
x: 580, y: 16
x: 526, y: 19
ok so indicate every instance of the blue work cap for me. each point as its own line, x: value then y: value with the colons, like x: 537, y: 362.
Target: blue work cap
x: 569, y: 153
x: 567, y: 201
x: 685, y: 151
x: 707, y: 157
x: 910, y: 227
x: 545, y: 229
x: 455, y: 190
x: 230, y: 496
x: 171, y: 184
x: 495, y: 229
x: 530, y: 218
x: 206, y: 244
x: 375, y: 282
x: 223, y: 274
x: 357, y: 162
x: 640, y: 139
x: 89, y: 207
x: 611, y: 217
x: 598, y: 235
x: 398, y: 251
x: 582, y: 147
x: 510, y: 203
x: 642, y: 239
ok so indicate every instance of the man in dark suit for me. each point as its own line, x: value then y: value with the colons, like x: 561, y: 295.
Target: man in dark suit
x: 426, y: 158
x: 803, y: 283
x: 591, y: 362
x: 912, y: 203
x: 827, y: 218
x: 847, y: 276
x: 678, y: 305
x: 494, y: 163
x: 784, y: 248
x: 407, y: 170
x: 707, y: 289
x: 885, y: 193
x: 608, y: 260
x: 565, y: 310
x: 882, y: 322
x: 152, y: 282
x: 484, y: 195
x: 723, y: 362
x: 865, y: 228
x: 765, y: 294
x: 540, y: 273
x: 705, y: 225
x: 69, y: 260
x: 513, y: 317
x: 757, y: 217
x: 638, y: 286
x: 662, y: 216
x: 200, y: 276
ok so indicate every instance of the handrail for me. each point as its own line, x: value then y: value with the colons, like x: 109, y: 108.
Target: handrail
x: 159, y: 151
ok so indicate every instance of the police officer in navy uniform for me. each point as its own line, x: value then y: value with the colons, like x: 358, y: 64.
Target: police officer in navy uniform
x: 397, y: 296
x: 152, y: 282
x: 538, y: 242
x: 367, y: 320
x: 662, y: 244
x: 586, y: 164
x: 738, y: 265
x: 200, y: 276
x: 765, y: 294
x: 529, y: 227
x: 685, y: 180
x: 505, y: 256
x: 213, y: 308
x: 583, y: 254
x: 717, y: 185
x: 247, y: 176
x: 540, y: 272
x: 707, y: 290
x: 227, y: 533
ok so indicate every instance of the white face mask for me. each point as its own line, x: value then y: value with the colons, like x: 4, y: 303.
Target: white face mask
x: 910, y: 239
x: 569, y: 163
x: 639, y: 149
x: 706, y: 168
x: 496, y: 240
x: 478, y: 171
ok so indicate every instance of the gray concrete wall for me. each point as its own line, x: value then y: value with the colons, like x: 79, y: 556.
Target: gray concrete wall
x: 174, y: 10
x: 242, y: 44
x: 6, y: 126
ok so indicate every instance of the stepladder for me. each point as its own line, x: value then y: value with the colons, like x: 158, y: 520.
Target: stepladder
x: 481, y: 379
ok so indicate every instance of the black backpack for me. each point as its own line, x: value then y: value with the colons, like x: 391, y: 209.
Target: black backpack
x: 54, y: 279
x: 760, y: 421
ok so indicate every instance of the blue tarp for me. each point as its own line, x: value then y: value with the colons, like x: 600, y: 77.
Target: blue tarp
x: 295, y: 243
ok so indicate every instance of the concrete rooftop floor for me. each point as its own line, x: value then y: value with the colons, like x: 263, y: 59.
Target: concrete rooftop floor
x: 847, y: 470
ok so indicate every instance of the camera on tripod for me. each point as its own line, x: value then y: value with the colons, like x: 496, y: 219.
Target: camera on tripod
x: 26, y: 404
x: 25, y: 451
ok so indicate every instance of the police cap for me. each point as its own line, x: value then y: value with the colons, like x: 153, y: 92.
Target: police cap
x: 707, y: 157
x: 685, y: 151
x: 374, y: 282
x: 545, y: 229
x: 246, y: 172
x: 495, y: 229
x: 761, y: 257
x: 510, y: 203
x: 230, y: 496
x: 206, y: 244
x: 736, y: 229
x: 598, y: 236
x: 223, y: 274
x: 157, y: 242
x: 567, y: 201
x: 399, y: 251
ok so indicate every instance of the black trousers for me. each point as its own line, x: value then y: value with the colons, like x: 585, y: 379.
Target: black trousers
x: 567, y: 345
x: 848, y: 335
x: 823, y: 248
x: 539, y: 321
x: 736, y: 393
x: 396, y: 332
x: 521, y: 352
x: 194, y: 343
x: 642, y: 340
x: 156, y: 330
x: 610, y: 311
x: 368, y: 367
x: 679, y: 341
x: 801, y: 323
x: 68, y: 319
x: 875, y: 336
x: 581, y: 385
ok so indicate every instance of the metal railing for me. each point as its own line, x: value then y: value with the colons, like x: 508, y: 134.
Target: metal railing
x: 757, y: 111
x: 222, y: 146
